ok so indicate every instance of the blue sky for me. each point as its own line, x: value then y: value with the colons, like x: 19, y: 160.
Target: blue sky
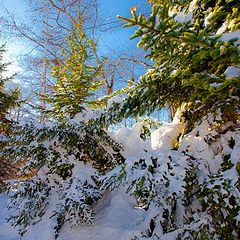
x: 117, y: 38
x: 110, y: 42
x: 17, y: 8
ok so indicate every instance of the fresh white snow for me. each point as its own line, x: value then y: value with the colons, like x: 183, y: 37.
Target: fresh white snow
x: 117, y: 214
x: 232, y: 71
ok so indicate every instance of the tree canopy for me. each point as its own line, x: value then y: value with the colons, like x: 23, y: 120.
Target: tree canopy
x: 193, y: 50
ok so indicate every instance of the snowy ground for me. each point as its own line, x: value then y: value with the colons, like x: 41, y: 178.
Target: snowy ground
x: 116, y: 218
x: 6, y: 231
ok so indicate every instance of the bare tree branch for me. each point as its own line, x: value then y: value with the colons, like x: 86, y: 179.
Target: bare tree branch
x: 138, y: 62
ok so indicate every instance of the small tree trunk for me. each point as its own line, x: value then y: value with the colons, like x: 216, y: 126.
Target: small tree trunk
x: 110, y: 86
x: 172, y: 111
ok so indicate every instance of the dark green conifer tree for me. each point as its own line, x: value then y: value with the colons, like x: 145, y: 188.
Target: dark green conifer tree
x: 8, y: 100
x: 77, y: 76
x: 191, y: 58
x: 61, y: 161
x: 195, y: 49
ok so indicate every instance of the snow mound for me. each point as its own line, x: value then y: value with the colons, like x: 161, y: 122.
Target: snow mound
x: 164, y: 137
x: 131, y: 141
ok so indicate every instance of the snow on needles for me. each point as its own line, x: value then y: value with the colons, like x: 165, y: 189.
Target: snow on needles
x: 124, y: 212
